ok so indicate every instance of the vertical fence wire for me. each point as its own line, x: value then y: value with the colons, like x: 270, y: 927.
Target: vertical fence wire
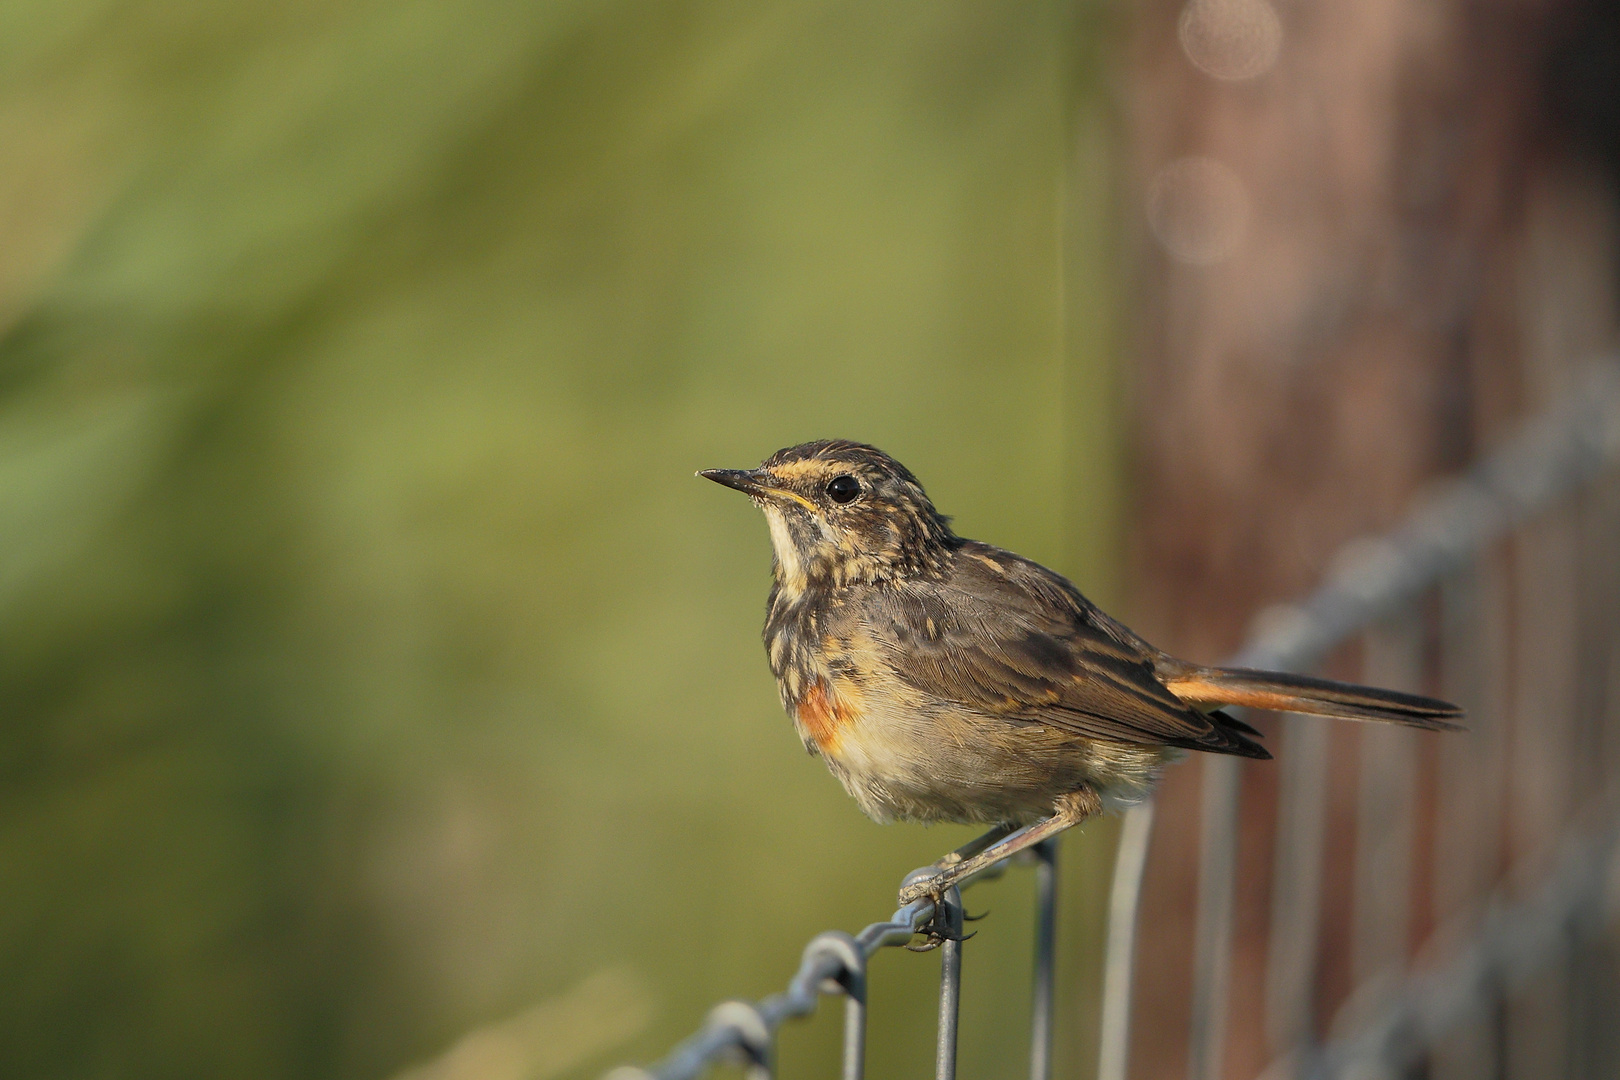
x: 1468, y: 826
x: 1130, y: 861
x: 1217, y: 877
x: 1045, y: 975
x: 1386, y: 811
x: 853, y: 984
x: 1296, y: 885
x: 950, y: 987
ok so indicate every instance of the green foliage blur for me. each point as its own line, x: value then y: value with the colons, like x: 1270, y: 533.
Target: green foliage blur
x: 382, y: 693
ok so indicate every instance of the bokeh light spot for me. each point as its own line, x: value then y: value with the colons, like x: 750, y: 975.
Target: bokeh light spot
x: 1198, y: 208
x: 1231, y: 40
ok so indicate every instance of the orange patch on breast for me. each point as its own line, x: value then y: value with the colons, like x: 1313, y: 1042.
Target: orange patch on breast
x: 822, y: 717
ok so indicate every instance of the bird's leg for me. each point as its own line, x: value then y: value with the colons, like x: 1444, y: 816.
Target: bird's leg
x: 1011, y: 844
x: 1070, y: 810
x: 976, y: 845
x: 970, y: 849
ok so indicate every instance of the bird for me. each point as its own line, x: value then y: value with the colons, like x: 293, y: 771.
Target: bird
x: 946, y: 679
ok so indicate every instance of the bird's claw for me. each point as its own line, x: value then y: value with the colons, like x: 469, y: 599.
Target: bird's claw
x: 935, y: 935
x: 945, y: 923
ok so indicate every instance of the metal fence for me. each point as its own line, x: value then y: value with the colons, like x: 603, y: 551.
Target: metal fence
x: 1420, y: 599
x: 1459, y: 1009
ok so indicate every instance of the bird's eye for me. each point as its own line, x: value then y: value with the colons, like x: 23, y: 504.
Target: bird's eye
x: 843, y: 489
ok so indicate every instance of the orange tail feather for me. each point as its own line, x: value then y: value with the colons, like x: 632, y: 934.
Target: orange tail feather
x: 1285, y: 692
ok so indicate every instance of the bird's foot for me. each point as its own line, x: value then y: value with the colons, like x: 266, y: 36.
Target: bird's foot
x: 934, y: 936
x: 928, y: 883
x: 937, y: 930
x: 945, y: 921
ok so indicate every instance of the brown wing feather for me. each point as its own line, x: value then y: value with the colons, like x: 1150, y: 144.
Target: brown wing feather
x: 1009, y: 638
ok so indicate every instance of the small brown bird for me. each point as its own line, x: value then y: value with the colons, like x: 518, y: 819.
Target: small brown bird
x: 944, y: 679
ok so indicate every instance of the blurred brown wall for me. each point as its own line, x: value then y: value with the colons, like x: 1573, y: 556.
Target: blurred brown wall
x: 1369, y: 246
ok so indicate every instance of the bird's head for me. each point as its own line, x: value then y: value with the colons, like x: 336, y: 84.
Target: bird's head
x: 842, y: 512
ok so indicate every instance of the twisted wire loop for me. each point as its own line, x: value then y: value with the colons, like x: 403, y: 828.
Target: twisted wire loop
x: 852, y: 983
x: 834, y: 962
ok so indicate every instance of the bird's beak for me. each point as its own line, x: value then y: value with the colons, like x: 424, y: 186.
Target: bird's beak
x: 753, y: 482
x: 748, y: 481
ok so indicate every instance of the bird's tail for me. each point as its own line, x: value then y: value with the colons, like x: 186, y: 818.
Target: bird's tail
x: 1283, y: 692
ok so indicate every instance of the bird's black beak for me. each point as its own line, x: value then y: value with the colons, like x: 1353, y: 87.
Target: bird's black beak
x: 756, y: 483
x: 747, y: 481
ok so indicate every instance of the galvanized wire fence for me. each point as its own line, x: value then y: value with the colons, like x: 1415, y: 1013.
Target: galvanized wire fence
x: 1417, y: 602
x: 1505, y: 924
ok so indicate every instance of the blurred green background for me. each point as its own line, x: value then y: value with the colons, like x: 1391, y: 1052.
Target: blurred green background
x: 382, y: 692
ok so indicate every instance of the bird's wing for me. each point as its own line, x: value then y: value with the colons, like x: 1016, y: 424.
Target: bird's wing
x: 1009, y: 638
